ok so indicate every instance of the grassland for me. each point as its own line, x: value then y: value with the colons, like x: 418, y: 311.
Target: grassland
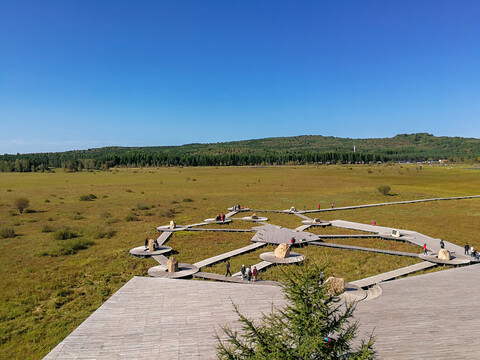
x: 49, y: 286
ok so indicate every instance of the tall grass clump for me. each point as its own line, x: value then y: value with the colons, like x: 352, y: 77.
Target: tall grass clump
x: 101, y: 232
x: 7, y: 232
x: 89, y: 197
x: 383, y: 189
x: 65, y: 233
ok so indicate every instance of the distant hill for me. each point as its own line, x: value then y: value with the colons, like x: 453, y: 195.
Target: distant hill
x: 306, y: 149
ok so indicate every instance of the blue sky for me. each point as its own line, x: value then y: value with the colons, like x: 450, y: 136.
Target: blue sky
x: 83, y: 74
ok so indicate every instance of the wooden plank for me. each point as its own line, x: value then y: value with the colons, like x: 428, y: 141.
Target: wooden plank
x: 359, y: 248
x: 228, y: 255
x: 372, y: 280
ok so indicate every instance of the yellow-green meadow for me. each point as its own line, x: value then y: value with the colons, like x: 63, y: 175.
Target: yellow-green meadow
x: 69, y: 250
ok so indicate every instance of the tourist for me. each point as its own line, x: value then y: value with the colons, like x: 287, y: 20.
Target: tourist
x: 292, y: 241
x: 254, y: 273
x: 222, y: 215
x: 249, y: 273
x: 466, y: 248
x: 331, y: 205
x: 243, y: 271
x: 228, y: 269
x: 425, y: 249
x: 318, y: 206
x: 374, y: 223
x: 146, y: 244
x: 471, y: 250
x: 442, y: 244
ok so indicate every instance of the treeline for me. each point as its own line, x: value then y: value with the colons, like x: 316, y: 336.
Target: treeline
x: 274, y: 151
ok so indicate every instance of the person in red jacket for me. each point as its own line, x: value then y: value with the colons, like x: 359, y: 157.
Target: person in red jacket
x: 424, y: 249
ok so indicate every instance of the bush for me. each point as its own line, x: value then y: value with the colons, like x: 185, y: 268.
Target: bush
x: 30, y: 211
x: 89, y: 197
x: 64, y: 234
x: 105, y: 215
x: 70, y: 247
x: 141, y: 206
x: 7, y: 232
x: 187, y: 200
x: 169, y: 213
x: 21, y: 204
x: 47, y: 229
x: 131, y: 217
x: 383, y: 189
x: 100, y: 232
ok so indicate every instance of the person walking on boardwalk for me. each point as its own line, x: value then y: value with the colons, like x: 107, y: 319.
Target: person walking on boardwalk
x: 471, y: 250
x: 243, y: 271
x: 331, y: 205
x: 228, y: 269
x: 466, y: 248
x: 425, y: 249
x: 249, y: 273
x: 442, y: 244
x: 254, y: 273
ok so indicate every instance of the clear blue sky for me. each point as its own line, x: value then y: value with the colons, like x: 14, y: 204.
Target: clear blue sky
x: 82, y: 74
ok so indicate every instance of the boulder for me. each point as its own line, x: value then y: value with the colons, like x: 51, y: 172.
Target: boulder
x: 172, y: 265
x: 335, y: 285
x: 172, y: 224
x: 254, y: 216
x: 151, y: 245
x: 444, y: 254
x: 292, y: 209
x: 282, y: 251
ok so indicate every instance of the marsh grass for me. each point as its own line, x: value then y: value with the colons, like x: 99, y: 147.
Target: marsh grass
x: 44, y: 298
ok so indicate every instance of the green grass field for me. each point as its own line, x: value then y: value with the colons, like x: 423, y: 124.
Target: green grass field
x: 49, y: 286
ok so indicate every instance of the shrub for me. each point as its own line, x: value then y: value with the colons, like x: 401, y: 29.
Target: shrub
x: 383, y: 189
x: 141, y: 206
x: 100, y: 232
x: 21, y: 204
x: 89, y: 197
x: 169, y: 213
x: 30, y: 211
x: 105, y: 215
x: 64, y: 234
x: 187, y: 200
x: 70, y: 247
x: 7, y: 232
x: 47, y: 229
x: 78, y: 217
x: 131, y: 217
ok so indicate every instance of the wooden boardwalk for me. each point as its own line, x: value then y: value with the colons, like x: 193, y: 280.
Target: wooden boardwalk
x: 163, y: 237
x: 372, y: 280
x: 260, y: 266
x: 228, y: 255
x: 359, y: 248
x: 412, y: 237
x: 232, y: 279
x: 390, y: 203
x: 273, y: 234
x: 221, y: 230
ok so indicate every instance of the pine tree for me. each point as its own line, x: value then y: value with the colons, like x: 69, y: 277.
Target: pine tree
x: 313, y: 325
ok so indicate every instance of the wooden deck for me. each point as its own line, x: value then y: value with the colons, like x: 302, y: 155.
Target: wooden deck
x: 372, y: 280
x: 359, y: 248
x: 232, y: 279
x: 227, y: 255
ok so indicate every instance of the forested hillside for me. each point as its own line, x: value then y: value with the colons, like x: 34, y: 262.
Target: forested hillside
x: 308, y: 149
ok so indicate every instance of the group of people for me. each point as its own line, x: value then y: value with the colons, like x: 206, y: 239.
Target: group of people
x: 237, y: 207
x: 330, y: 205
x: 220, y: 217
x: 248, y: 273
x: 473, y: 252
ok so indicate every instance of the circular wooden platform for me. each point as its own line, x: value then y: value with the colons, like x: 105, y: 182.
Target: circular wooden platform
x: 141, y: 252
x: 184, y: 270
x: 293, y: 258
